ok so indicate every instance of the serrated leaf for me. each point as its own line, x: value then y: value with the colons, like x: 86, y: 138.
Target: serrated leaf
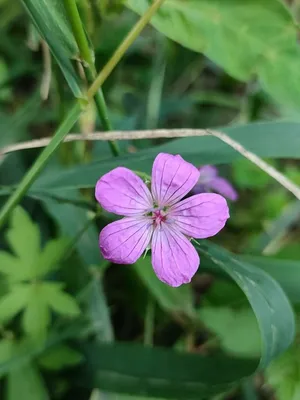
x: 237, y: 330
x: 12, y: 303
x: 36, y: 317
x: 58, y: 35
x: 24, y: 238
x: 51, y: 255
x: 59, y: 301
x: 255, y: 37
x: 60, y: 357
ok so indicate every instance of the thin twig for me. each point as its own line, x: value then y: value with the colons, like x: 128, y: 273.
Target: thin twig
x: 267, y: 168
x: 165, y: 133
x: 104, y: 136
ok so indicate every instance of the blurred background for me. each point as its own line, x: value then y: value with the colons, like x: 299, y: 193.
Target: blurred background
x: 57, y: 297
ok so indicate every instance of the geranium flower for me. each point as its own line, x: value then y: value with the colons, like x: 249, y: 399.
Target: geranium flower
x: 210, y: 181
x: 159, y: 219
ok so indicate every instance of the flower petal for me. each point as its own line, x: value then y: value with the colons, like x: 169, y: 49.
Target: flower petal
x: 124, y: 241
x: 172, y: 179
x: 222, y: 186
x: 122, y: 192
x: 207, y: 172
x: 174, y: 258
x: 200, y: 216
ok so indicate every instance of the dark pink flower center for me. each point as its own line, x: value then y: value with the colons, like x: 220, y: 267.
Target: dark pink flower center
x: 158, y: 216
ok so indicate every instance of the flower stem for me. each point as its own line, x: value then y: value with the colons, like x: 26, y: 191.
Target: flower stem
x: 40, y: 162
x: 72, y: 117
x: 127, y: 42
x: 86, y: 55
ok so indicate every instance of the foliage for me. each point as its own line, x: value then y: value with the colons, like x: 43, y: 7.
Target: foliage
x: 74, y: 325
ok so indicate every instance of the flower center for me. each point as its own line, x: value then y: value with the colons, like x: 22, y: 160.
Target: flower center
x: 158, y: 216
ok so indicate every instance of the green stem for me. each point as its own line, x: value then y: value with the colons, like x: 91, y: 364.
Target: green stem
x: 41, y: 161
x: 89, y: 66
x: 71, y: 118
x: 156, y: 86
x: 127, y: 42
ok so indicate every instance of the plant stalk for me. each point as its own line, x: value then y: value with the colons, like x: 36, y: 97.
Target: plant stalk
x: 127, y: 42
x: 40, y: 162
x: 86, y: 55
x: 72, y: 116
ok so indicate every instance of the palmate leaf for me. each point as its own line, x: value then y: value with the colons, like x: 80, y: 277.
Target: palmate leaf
x: 253, y: 37
x: 29, y: 261
x: 50, y: 257
x: 14, y: 302
x: 24, y: 238
x: 23, y: 381
x: 36, y: 316
x: 60, y: 357
x: 59, y: 301
x: 26, y: 383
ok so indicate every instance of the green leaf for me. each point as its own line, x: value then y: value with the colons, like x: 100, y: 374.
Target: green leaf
x: 7, y: 347
x: 59, y: 301
x: 264, y: 139
x: 24, y: 238
x: 11, y: 267
x: 36, y: 317
x: 40, y: 162
x: 247, y: 175
x: 58, y: 35
x: 60, y: 357
x: 51, y: 256
x: 160, y: 372
x: 259, y: 38
x: 26, y: 383
x: 283, y: 375
x: 277, y: 229
x: 69, y: 226
x: 28, y: 350
x: 237, y: 330
x: 173, y: 300
x: 269, y: 303
x: 285, y: 272
x: 12, y: 303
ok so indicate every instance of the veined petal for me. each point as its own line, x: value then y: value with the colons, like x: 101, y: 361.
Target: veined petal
x: 122, y: 192
x: 200, y: 216
x: 222, y: 186
x: 174, y: 258
x: 172, y: 179
x: 124, y: 241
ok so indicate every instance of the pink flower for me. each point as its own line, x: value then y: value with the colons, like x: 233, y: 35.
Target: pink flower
x: 210, y: 181
x: 159, y: 219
